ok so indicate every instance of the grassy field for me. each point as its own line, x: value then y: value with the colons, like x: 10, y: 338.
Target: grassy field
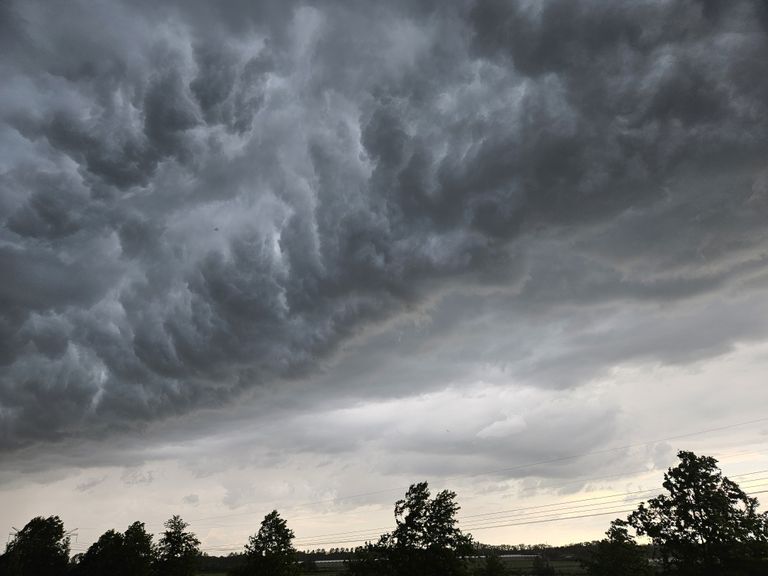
x: 524, y: 566
x: 515, y: 567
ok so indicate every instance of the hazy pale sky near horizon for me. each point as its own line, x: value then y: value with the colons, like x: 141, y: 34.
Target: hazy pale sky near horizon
x: 299, y: 255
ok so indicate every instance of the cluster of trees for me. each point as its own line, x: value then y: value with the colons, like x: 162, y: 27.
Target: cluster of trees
x: 42, y: 548
x: 705, y: 525
x: 425, y: 541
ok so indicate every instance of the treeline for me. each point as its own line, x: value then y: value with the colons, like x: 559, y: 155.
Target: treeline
x: 704, y: 525
x: 564, y: 552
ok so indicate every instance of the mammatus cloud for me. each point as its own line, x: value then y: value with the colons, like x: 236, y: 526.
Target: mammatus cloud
x: 201, y: 200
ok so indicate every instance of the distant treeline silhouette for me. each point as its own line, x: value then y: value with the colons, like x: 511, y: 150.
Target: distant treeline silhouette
x: 703, y: 525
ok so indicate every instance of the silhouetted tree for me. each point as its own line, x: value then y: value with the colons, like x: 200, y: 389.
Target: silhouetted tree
x: 102, y: 557
x: 138, y: 550
x: 618, y: 555
x: 270, y: 551
x: 178, y: 551
x: 41, y: 548
x: 425, y: 541
x: 705, y: 525
x: 116, y: 554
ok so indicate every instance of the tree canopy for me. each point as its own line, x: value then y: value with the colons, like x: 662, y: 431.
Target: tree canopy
x: 618, y: 554
x: 116, y: 554
x: 40, y: 548
x: 104, y: 556
x: 425, y: 540
x: 270, y: 551
x: 178, y: 551
x: 705, y: 524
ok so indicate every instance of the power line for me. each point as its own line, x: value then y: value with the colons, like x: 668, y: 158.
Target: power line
x: 538, y: 520
x: 558, y: 507
x: 625, y: 447
x: 635, y: 472
x: 594, y: 498
x: 502, y: 470
x: 556, y: 519
x: 508, y: 511
x: 559, y: 510
x: 554, y: 514
x: 561, y: 513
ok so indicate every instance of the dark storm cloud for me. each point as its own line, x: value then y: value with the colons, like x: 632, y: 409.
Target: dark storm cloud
x: 200, y: 198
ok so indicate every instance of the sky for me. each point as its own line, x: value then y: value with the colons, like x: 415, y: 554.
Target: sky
x: 300, y: 255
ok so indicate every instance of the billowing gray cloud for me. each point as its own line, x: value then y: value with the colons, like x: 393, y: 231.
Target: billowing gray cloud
x: 198, y: 200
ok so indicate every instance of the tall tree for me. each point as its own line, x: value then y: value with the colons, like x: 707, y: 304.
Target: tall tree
x: 705, y: 524
x: 116, y: 554
x: 41, y: 548
x: 178, y: 551
x: 105, y: 556
x: 270, y: 551
x: 425, y: 541
x: 138, y: 550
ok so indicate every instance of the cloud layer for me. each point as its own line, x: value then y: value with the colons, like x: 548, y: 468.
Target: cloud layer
x: 199, y: 200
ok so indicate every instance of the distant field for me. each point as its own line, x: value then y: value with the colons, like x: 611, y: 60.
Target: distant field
x: 516, y: 567
x: 523, y: 566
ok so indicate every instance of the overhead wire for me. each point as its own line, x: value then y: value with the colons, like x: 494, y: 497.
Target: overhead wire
x: 498, y: 514
x: 501, y: 470
x: 557, y: 507
x: 544, y: 513
x: 554, y: 514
